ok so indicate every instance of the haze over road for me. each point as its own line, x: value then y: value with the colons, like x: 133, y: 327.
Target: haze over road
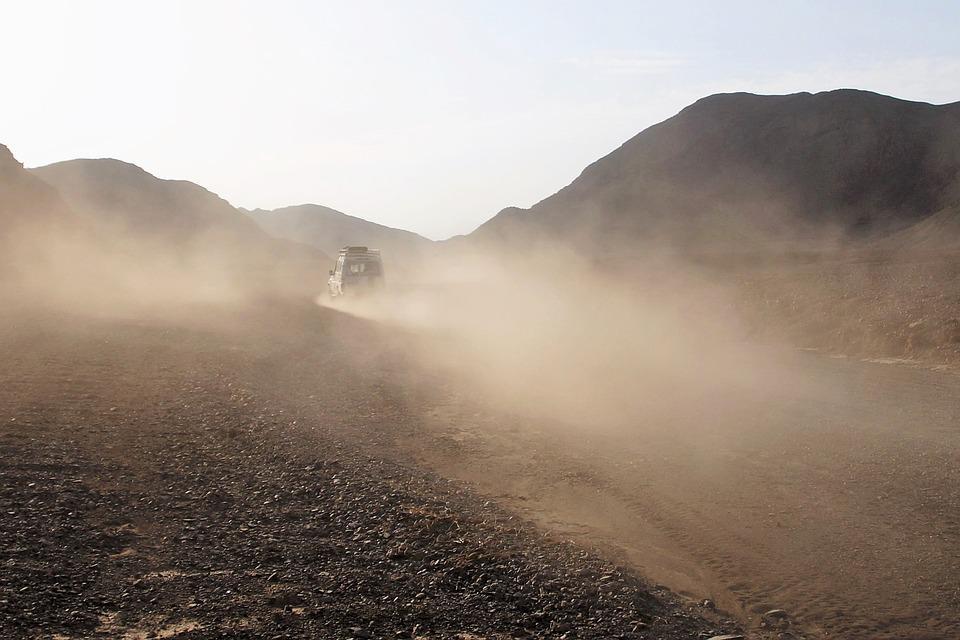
x: 839, y: 503
x: 826, y: 486
x: 836, y: 499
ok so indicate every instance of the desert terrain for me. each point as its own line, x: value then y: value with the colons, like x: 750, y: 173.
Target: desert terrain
x: 751, y: 473
x: 284, y: 469
x: 161, y: 479
x: 708, y: 389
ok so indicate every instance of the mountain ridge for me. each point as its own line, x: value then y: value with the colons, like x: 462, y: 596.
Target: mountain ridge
x: 179, y: 229
x: 838, y: 163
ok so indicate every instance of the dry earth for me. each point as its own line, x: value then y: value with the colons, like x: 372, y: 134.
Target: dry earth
x: 831, y: 491
x: 842, y: 510
x: 868, y: 305
x: 234, y: 477
x: 297, y: 471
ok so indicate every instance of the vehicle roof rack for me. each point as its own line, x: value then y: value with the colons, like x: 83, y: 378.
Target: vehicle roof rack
x: 354, y: 250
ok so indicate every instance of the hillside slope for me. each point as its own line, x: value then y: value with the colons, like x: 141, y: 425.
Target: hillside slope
x: 33, y: 219
x: 734, y: 169
x: 23, y: 197
x: 139, y: 203
x: 178, y: 224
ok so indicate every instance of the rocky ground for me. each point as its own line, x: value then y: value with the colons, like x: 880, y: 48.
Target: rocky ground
x: 146, y: 492
x: 864, y: 306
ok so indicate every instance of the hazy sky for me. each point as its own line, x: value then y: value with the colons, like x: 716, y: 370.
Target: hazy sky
x: 430, y: 116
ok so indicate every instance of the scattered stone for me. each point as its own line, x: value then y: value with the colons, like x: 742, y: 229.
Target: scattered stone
x: 249, y: 536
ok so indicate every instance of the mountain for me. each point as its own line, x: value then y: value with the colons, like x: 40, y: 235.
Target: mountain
x: 735, y: 171
x: 125, y: 196
x: 156, y: 224
x: 33, y: 218
x: 25, y: 200
x: 329, y: 230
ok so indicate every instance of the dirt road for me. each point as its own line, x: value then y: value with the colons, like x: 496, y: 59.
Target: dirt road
x: 833, y: 494
x: 837, y: 501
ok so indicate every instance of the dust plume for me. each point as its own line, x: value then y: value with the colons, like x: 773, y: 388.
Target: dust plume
x: 552, y: 335
x: 102, y: 267
x: 662, y: 412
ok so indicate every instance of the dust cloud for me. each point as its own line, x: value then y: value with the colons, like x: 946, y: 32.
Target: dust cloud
x: 552, y: 335
x: 642, y: 410
x: 634, y: 404
x: 103, y: 268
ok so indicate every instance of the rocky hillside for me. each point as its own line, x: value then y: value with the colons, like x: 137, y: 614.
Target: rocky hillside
x: 735, y: 170
x: 174, y: 222
x: 25, y: 200
x: 140, y: 204
x: 31, y: 213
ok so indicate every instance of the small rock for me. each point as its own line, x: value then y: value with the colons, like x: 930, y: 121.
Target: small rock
x: 776, y: 618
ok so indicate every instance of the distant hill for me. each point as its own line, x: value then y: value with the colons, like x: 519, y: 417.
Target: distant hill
x: 145, y: 206
x: 25, y: 200
x: 329, y: 230
x: 178, y: 224
x: 737, y: 171
x: 31, y: 214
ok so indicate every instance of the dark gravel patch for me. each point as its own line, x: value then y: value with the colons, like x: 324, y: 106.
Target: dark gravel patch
x: 162, y: 503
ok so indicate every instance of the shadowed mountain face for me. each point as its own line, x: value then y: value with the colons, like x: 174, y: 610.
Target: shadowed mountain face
x: 25, y: 200
x: 732, y: 170
x: 138, y: 203
x: 329, y: 230
x: 144, y: 229
x: 31, y: 212
x: 175, y: 212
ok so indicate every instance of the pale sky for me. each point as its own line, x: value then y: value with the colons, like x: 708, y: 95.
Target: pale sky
x: 430, y: 116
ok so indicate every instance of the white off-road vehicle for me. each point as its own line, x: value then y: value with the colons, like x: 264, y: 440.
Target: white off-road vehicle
x: 359, y: 270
